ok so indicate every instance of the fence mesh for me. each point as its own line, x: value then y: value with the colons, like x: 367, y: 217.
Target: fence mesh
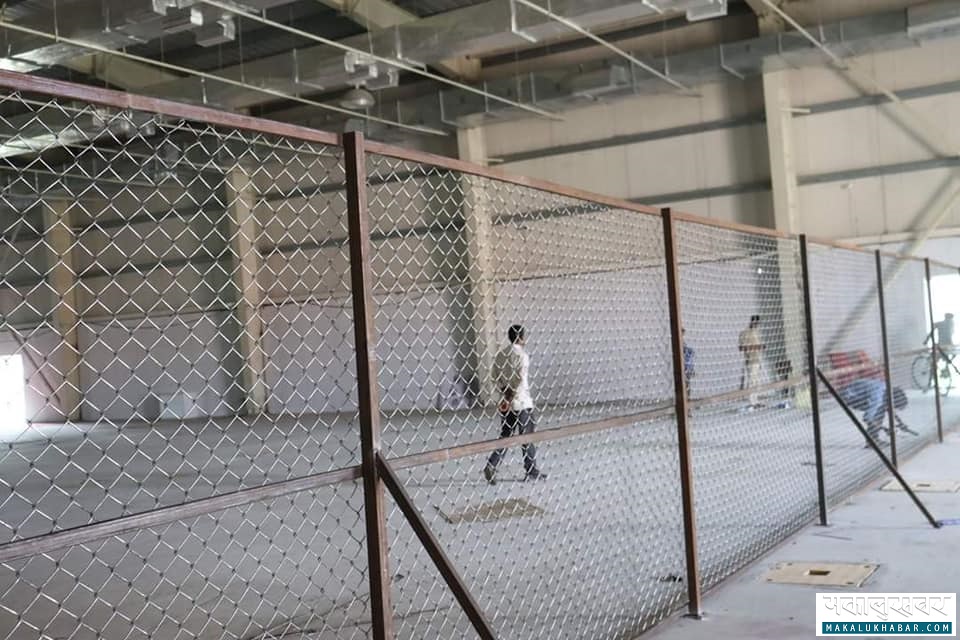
x: 268, y: 570
x: 459, y: 259
x: 945, y: 287
x: 181, y: 431
x: 904, y: 282
x: 742, y: 301
x: 847, y: 335
x: 595, y: 551
x: 174, y: 299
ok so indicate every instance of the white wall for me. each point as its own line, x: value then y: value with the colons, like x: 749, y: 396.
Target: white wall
x: 838, y: 140
x: 682, y: 163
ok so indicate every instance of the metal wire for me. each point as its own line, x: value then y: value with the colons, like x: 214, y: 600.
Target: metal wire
x: 945, y: 282
x: 753, y: 447
x: 175, y: 303
x: 849, y: 350
x: 904, y: 283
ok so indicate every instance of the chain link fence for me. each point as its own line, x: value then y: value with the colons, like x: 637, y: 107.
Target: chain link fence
x: 755, y: 481
x: 195, y: 410
x: 849, y: 347
x: 944, y: 289
x: 908, y: 326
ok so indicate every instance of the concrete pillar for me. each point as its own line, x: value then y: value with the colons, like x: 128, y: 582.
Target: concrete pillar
x: 783, y: 172
x: 62, y: 279
x: 481, y: 340
x: 786, y: 211
x: 244, y: 231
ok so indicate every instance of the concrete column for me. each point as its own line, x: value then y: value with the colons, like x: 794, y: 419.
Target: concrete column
x: 62, y: 279
x: 244, y: 231
x: 786, y: 210
x: 481, y: 333
x: 783, y: 172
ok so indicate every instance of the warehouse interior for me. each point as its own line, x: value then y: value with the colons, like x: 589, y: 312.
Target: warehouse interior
x: 258, y: 258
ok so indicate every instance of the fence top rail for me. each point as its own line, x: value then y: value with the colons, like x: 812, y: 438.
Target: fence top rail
x: 838, y: 244
x: 900, y: 256
x: 943, y: 265
x: 500, y: 175
x: 121, y: 100
x: 732, y: 226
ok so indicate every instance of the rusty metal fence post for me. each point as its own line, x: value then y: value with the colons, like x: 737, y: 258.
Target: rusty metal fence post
x: 361, y: 281
x: 814, y: 387
x: 887, y: 379
x: 682, y: 412
x: 934, y: 353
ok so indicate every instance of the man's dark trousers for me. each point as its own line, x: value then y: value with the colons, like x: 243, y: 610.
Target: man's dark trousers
x: 523, y: 422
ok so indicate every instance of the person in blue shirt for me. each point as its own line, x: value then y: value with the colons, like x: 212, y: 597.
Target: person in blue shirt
x: 688, y: 357
x: 870, y: 396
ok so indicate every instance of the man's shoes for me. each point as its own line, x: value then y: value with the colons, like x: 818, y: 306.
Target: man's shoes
x: 490, y: 474
x: 536, y: 474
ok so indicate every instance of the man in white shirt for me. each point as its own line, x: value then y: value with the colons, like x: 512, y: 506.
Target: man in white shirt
x: 751, y: 346
x: 511, y: 370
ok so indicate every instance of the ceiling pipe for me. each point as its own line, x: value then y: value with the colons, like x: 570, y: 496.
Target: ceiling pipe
x: 889, y: 31
x: 472, y: 31
x: 932, y: 135
x: 214, y: 78
x: 386, y: 61
x: 570, y: 24
x: 114, y: 24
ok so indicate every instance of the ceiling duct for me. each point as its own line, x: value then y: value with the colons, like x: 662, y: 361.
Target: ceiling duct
x: 471, y: 31
x: 933, y: 20
x: 52, y: 127
x: 118, y: 24
x: 603, y: 80
x: 716, y: 9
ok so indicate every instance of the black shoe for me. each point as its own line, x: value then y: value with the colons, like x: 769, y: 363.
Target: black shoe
x: 490, y: 474
x: 536, y: 474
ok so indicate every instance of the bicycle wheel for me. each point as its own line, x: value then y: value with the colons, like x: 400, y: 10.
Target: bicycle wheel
x: 920, y: 369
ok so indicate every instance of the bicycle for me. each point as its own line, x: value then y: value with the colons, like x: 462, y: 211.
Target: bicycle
x: 924, y: 370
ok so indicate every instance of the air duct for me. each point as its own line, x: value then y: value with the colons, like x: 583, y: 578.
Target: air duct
x: 117, y: 24
x: 476, y: 30
x: 52, y: 127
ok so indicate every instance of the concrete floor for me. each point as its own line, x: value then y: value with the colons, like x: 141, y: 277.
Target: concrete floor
x: 871, y: 526
x: 603, y: 558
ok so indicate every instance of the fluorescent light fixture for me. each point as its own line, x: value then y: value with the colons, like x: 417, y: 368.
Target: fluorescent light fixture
x: 13, y: 408
x: 356, y: 99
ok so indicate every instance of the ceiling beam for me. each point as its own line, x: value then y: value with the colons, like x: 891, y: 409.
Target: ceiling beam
x: 767, y: 20
x: 382, y: 14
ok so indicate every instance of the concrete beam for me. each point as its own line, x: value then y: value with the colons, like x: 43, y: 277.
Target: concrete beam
x: 767, y: 21
x: 478, y: 216
x: 381, y: 14
x: 244, y: 231
x: 62, y: 280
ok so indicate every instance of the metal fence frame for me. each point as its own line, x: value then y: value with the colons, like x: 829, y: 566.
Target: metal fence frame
x: 376, y: 471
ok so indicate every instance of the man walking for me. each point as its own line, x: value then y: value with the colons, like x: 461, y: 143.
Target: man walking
x: 944, y: 341
x: 751, y: 346
x: 511, y: 370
